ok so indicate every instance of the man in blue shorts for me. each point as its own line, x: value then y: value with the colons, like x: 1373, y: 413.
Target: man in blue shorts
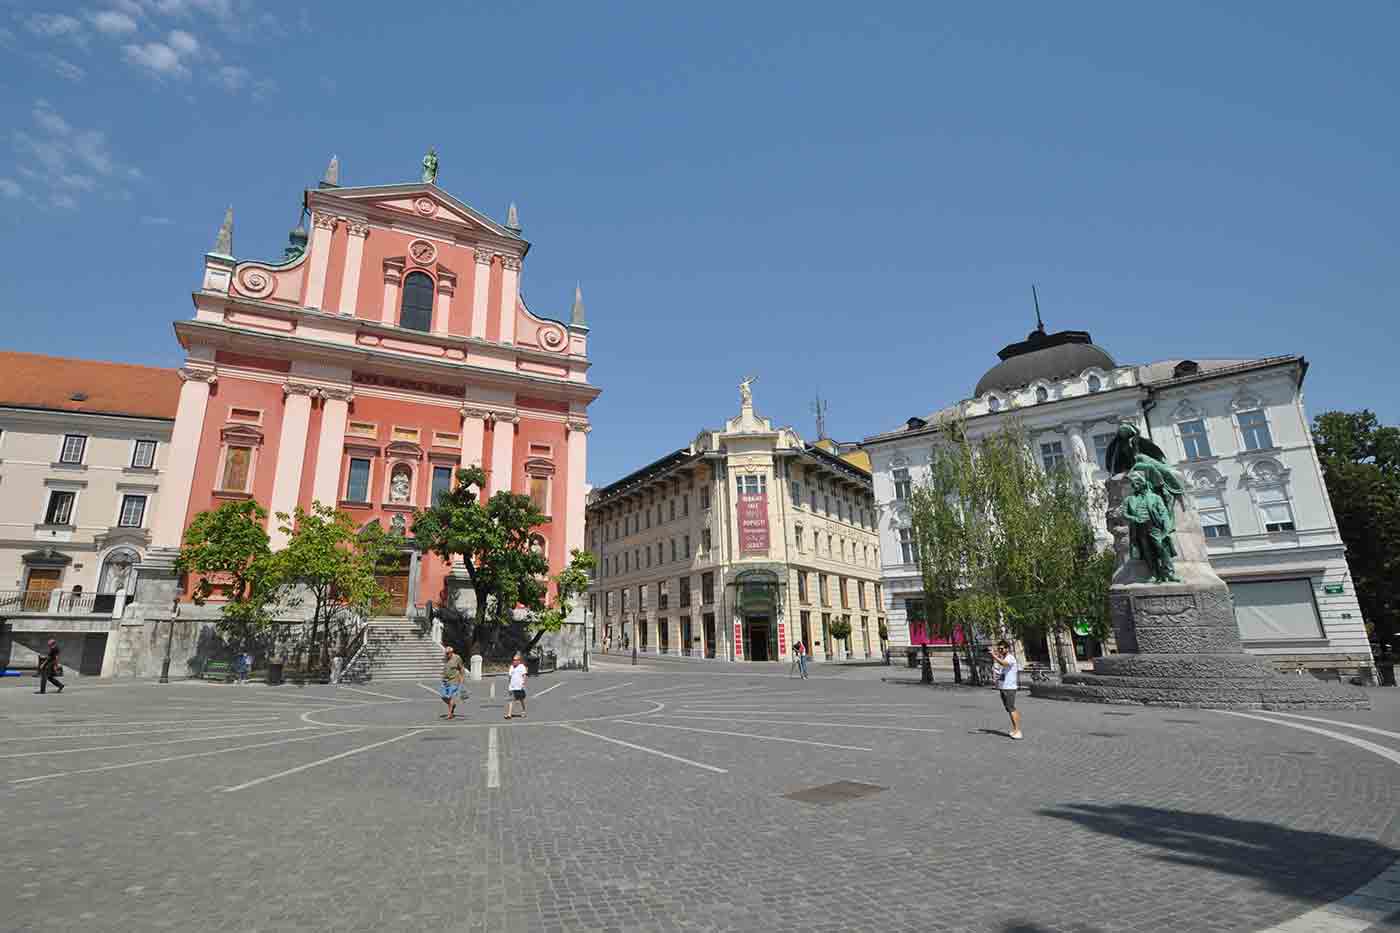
x: 453, y: 673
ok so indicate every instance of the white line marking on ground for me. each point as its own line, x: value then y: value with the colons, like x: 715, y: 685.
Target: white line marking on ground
x: 314, y: 764
x: 90, y: 734
x: 300, y: 702
x: 436, y: 693
x: 197, y: 738
x: 493, y: 690
x: 547, y: 689
x: 746, y: 735
x: 643, y: 748
x: 1381, y: 750
x: 157, y: 722
x: 590, y: 693
x: 795, y: 722
x: 387, y: 696
x: 1335, y: 722
x: 160, y: 761
x: 493, y: 763
x: 806, y: 711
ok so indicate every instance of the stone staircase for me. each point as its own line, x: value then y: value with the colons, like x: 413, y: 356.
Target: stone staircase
x: 397, y: 649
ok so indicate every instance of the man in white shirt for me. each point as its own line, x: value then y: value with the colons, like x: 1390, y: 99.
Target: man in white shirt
x: 516, y: 686
x: 1008, y: 683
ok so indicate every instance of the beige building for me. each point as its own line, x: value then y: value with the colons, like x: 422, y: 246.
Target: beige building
x: 735, y: 547
x: 82, y: 447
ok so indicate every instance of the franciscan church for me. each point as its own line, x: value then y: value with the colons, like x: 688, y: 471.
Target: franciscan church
x: 1237, y: 432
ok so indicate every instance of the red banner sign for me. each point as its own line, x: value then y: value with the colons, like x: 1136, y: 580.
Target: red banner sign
x: 738, y: 641
x: 753, y: 521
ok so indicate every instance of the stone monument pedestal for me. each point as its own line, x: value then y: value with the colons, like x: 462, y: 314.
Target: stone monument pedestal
x: 1179, y: 643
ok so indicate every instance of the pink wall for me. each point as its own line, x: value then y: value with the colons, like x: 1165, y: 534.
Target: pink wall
x: 335, y: 269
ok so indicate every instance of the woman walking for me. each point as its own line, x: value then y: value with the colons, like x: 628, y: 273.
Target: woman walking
x: 49, y: 669
x: 517, y: 686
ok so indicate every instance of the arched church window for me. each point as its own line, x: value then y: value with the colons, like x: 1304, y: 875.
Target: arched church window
x: 416, y: 311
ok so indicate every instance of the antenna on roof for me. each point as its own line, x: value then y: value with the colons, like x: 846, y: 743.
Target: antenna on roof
x: 1039, y: 324
x: 819, y: 409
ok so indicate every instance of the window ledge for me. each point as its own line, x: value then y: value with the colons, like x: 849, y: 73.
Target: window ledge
x: 45, y: 526
x: 1251, y: 451
x: 231, y: 494
x: 60, y: 465
x: 1302, y: 642
x: 140, y: 471
x: 399, y: 507
x: 352, y: 504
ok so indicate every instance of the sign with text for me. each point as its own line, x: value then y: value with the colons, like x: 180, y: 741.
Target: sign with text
x: 753, y: 521
x: 738, y: 641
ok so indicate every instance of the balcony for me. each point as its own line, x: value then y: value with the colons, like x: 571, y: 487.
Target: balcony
x: 60, y: 603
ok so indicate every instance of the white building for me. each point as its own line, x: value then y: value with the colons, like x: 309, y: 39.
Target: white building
x: 82, y: 447
x: 1237, y: 431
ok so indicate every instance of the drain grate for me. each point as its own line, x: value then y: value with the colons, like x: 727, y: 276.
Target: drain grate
x: 835, y: 793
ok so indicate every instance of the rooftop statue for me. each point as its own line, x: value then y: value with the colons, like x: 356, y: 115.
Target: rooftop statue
x: 430, y: 166
x: 745, y: 390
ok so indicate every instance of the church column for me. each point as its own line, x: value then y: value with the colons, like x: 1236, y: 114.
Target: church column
x: 291, y: 455
x: 503, y: 451
x: 442, y: 309
x: 335, y: 409
x: 510, y: 290
x: 393, y: 277
x: 481, y: 289
x: 357, y: 230
x: 168, y: 524
x: 473, y: 436
x: 322, y: 230
x: 577, y: 467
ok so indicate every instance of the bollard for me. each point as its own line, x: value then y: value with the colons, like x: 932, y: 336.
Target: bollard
x: 476, y: 668
x: 634, y: 655
x: 957, y: 669
x: 927, y: 675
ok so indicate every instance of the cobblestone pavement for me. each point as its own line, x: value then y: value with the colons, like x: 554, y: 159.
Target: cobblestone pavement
x: 652, y: 798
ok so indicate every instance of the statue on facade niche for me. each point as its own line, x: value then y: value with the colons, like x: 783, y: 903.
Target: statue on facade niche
x: 398, y: 488
x: 1130, y: 452
x: 430, y: 166
x: 746, y: 392
x: 1150, y: 528
x: 398, y: 524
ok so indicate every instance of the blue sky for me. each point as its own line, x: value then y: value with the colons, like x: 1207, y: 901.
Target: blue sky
x: 838, y: 198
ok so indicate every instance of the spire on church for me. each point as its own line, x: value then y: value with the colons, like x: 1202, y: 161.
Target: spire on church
x: 332, y: 176
x: 223, y: 243
x: 512, y: 218
x: 576, y: 318
x: 1039, y: 324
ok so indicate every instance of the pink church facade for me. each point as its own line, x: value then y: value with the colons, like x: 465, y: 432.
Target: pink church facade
x: 386, y: 350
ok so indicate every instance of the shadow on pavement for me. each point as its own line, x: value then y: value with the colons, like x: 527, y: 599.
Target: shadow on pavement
x: 1305, y: 865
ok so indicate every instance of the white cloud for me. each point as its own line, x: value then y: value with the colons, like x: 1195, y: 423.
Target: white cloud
x: 91, y: 149
x: 232, y: 77
x: 65, y: 161
x: 6, y: 36
x: 65, y: 201
x: 113, y: 22
x: 156, y: 57
x: 49, y: 121
x: 10, y: 188
x: 78, y: 182
x: 57, y: 26
x: 182, y: 42
x: 157, y: 221
x: 64, y: 68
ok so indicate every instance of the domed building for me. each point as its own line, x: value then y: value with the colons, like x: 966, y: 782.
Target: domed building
x: 1237, y: 431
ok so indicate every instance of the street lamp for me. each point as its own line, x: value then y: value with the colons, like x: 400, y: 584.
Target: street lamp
x: 169, y: 642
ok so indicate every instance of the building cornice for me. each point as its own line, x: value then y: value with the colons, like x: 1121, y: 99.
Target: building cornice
x: 64, y: 419
x: 405, y: 366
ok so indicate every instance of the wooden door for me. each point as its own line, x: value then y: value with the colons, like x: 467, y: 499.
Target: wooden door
x: 393, y: 578
x: 42, y: 582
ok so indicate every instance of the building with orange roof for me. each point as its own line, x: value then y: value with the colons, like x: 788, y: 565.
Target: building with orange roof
x: 83, y: 444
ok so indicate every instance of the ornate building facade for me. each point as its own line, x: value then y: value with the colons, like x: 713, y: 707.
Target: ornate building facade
x: 1236, y: 430
x: 384, y: 350
x: 736, y: 546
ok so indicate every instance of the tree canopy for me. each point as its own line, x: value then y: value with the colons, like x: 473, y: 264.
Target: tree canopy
x: 1005, y: 545
x: 1361, y: 467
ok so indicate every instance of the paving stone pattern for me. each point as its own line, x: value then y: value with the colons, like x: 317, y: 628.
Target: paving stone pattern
x: 1101, y: 820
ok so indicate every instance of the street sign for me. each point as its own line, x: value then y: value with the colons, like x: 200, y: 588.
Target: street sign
x: 1332, y: 589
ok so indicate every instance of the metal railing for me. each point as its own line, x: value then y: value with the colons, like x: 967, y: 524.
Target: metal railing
x: 58, y: 602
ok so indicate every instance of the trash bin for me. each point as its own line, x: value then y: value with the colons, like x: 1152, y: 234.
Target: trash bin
x: 1387, y: 672
x: 532, y: 665
x: 913, y: 658
x: 274, y: 672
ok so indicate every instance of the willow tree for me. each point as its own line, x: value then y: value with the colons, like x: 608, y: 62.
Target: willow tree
x: 1004, y: 545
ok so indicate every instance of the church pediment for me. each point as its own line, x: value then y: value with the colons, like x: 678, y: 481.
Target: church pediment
x: 426, y: 203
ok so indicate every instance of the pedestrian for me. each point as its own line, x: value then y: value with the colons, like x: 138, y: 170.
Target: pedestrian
x: 241, y: 668
x: 337, y: 666
x: 605, y: 643
x: 453, y: 673
x: 801, y: 649
x: 49, y: 669
x: 1008, y: 683
x: 516, y: 686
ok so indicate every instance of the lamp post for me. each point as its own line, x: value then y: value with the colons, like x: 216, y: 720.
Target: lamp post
x: 170, y: 641
x: 585, y: 641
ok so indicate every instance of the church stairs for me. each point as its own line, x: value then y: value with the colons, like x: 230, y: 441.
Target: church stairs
x: 396, y: 648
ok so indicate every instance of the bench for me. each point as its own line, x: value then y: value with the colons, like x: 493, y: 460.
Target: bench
x: 218, y: 670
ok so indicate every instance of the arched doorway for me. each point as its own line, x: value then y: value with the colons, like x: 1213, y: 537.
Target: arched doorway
x: 119, y: 572
x: 757, y: 604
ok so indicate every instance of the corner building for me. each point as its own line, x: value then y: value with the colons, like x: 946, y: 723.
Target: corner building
x: 385, y: 350
x: 735, y: 546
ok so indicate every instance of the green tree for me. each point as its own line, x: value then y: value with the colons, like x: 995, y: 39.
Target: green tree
x: 841, y: 631
x: 329, y: 568
x: 1005, y: 546
x: 228, y: 551
x: 569, y: 583
x: 1361, y: 467
x: 325, y: 575
x: 496, y: 543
